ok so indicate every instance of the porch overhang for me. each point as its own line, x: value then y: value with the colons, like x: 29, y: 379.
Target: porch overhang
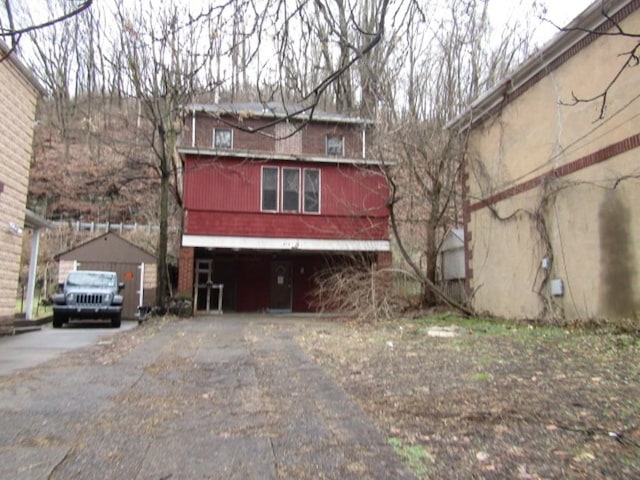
x: 285, y: 244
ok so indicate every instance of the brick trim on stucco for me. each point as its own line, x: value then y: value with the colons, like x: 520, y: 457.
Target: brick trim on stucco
x: 466, y: 219
x: 605, y: 26
x: 572, y: 167
x: 599, y: 156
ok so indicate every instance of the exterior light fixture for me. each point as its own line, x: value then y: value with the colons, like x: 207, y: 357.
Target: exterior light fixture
x: 15, y: 229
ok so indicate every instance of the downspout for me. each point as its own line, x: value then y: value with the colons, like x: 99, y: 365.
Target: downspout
x: 33, y: 264
x: 141, y: 296
x: 193, y: 127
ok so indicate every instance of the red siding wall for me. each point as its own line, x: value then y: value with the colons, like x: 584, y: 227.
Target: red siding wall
x: 199, y: 222
x: 223, y: 198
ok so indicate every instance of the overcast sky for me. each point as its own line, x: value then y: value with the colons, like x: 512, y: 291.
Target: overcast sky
x: 560, y: 12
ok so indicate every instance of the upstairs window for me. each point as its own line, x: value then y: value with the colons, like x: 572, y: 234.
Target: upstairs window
x: 270, y: 189
x: 311, y: 191
x: 290, y: 189
x: 335, y: 145
x: 222, y: 138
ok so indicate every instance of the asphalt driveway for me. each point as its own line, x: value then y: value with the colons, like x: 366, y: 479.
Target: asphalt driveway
x: 228, y: 397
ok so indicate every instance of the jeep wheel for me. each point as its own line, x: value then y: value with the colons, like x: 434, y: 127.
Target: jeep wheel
x: 58, y: 320
x: 115, y: 321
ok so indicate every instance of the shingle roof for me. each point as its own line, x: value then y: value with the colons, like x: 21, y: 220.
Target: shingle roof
x: 274, y: 110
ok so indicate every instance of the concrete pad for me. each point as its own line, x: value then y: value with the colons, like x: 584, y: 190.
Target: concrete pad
x: 30, y: 349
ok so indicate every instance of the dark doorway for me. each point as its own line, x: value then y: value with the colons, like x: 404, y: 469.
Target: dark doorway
x: 225, y: 273
x: 280, y: 287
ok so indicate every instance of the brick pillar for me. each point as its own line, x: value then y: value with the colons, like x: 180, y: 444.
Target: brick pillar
x: 384, y: 260
x: 185, y: 271
x: 384, y: 279
x: 466, y: 224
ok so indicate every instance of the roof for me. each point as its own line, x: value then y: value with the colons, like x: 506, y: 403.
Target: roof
x: 554, y: 53
x: 274, y: 110
x: 262, y: 156
x: 5, y: 50
x: 453, y: 240
x: 108, y: 247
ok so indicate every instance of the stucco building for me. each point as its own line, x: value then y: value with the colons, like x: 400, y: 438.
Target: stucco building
x: 552, y: 183
x: 19, y: 92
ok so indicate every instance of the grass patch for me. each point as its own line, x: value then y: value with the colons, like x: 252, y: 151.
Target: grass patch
x: 414, y: 456
x: 38, y: 310
x: 537, y: 397
x: 481, y: 376
x: 487, y: 326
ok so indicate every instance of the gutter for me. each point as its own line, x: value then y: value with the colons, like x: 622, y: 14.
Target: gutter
x: 541, y: 63
x: 261, y: 155
x: 7, y: 54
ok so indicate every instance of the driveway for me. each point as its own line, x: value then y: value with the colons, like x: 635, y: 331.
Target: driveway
x: 228, y: 397
x: 30, y: 349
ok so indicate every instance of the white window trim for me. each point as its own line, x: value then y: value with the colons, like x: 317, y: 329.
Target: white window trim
x: 213, y: 140
x: 319, y: 190
x: 277, y: 169
x: 298, y: 209
x: 326, y: 145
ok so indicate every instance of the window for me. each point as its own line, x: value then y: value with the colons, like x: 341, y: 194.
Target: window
x: 311, y: 191
x: 290, y: 189
x: 270, y: 189
x: 285, y: 189
x: 222, y: 138
x: 335, y: 145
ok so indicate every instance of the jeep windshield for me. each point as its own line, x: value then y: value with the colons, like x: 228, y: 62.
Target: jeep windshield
x: 91, y: 279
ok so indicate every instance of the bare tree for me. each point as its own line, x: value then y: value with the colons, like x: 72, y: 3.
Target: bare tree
x: 394, y: 61
x: 443, y: 71
x: 13, y: 30
x: 630, y: 58
x: 162, y: 52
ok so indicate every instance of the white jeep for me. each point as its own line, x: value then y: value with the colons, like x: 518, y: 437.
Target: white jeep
x: 89, y: 294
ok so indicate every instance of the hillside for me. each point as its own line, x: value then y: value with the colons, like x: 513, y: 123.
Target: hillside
x: 92, y: 162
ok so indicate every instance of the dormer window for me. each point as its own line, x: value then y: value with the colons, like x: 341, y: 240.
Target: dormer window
x: 335, y: 145
x: 222, y: 138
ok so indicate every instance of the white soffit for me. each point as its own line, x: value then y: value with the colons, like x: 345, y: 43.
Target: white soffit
x: 290, y: 244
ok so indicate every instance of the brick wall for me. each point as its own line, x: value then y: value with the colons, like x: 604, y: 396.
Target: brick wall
x: 312, y: 137
x: 185, y: 271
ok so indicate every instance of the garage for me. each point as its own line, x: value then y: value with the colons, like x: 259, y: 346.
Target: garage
x: 135, y: 267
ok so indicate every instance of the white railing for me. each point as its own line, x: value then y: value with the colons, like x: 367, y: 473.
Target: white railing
x: 121, y: 227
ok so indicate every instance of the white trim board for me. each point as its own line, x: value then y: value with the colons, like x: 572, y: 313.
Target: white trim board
x: 291, y: 244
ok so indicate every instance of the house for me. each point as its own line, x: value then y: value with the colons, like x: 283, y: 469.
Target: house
x: 19, y: 93
x: 272, y: 198
x: 552, y: 180
x: 135, y: 267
